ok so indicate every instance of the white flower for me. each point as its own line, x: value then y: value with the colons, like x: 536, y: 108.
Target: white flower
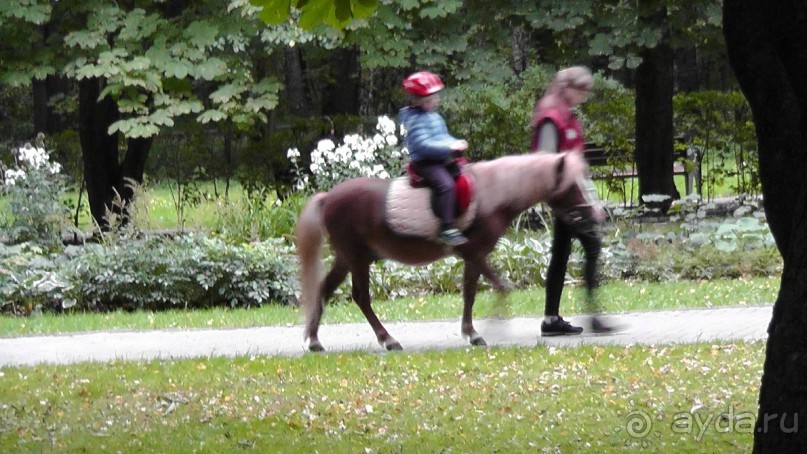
x: 325, y: 145
x: 392, y: 140
x: 293, y: 154
x: 12, y: 176
x: 353, y: 140
x: 316, y: 157
x: 343, y: 154
x: 34, y: 157
x: 314, y: 167
x: 385, y: 126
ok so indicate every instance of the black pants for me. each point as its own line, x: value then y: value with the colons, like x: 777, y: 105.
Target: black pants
x: 588, y: 232
x: 440, y: 176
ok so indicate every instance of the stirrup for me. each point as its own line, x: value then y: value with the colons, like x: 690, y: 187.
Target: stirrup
x: 452, y: 237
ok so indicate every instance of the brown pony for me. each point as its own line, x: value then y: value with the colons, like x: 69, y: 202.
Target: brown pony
x: 352, y: 217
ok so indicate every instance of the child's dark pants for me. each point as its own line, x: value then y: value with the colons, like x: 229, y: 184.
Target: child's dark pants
x: 440, y: 177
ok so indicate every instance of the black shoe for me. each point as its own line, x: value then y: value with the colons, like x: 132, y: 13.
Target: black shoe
x: 452, y: 237
x: 559, y: 327
x: 599, y: 326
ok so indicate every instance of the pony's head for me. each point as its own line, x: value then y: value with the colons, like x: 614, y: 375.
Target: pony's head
x: 574, y: 199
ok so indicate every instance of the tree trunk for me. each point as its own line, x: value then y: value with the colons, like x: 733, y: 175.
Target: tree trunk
x: 767, y: 49
x: 105, y: 177
x: 296, y: 94
x: 654, y: 116
x: 342, y: 94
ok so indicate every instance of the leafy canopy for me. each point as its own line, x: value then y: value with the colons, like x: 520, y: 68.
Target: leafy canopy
x: 336, y: 13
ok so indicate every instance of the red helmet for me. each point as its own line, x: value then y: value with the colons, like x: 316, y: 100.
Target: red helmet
x: 422, y: 83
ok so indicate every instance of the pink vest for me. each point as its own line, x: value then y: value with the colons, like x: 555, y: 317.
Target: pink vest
x: 570, y: 131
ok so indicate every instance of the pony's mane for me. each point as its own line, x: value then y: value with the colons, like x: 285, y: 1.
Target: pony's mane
x: 520, y: 181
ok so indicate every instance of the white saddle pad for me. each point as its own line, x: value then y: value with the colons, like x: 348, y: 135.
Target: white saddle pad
x: 409, y: 211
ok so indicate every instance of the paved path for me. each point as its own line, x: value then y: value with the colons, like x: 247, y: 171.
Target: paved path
x: 658, y: 327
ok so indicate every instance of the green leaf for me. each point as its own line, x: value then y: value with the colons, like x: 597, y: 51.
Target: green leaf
x: 177, y: 69
x: 211, y: 115
x: 201, y: 34
x: 212, y: 68
x: 84, y: 39
x: 35, y: 14
x: 15, y: 79
x: 122, y: 126
x: 226, y: 93
x: 274, y: 11
x: 161, y: 117
x: 314, y: 13
x: 408, y: 5
x: 343, y: 10
x: 725, y: 246
x: 143, y: 130
x: 266, y: 86
x: 363, y: 8
x: 41, y: 72
x: 600, y: 45
x: 433, y: 12
x: 137, y: 64
x: 159, y: 57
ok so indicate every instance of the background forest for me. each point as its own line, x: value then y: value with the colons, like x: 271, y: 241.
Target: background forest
x: 214, y: 107
x: 191, y: 91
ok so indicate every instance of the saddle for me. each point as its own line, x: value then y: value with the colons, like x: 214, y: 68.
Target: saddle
x: 410, y: 208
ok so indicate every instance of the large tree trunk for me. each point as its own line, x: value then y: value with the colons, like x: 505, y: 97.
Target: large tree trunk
x: 767, y: 48
x: 296, y: 89
x: 105, y: 177
x: 654, y: 114
x: 342, y: 93
x: 45, y: 118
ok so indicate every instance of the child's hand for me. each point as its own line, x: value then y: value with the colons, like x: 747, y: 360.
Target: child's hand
x: 460, y: 145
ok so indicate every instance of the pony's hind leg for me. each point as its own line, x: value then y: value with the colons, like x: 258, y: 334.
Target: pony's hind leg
x: 332, y: 280
x: 470, y: 280
x: 361, y: 295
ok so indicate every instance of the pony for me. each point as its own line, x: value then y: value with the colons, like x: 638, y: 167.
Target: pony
x: 352, y: 217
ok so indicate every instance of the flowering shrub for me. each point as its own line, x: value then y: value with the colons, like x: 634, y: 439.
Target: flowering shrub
x: 34, y: 189
x: 356, y: 156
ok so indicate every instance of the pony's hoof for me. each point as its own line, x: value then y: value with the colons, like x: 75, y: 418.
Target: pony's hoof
x: 475, y: 339
x: 478, y: 341
x: 392, y: 345
x: 315, y: 346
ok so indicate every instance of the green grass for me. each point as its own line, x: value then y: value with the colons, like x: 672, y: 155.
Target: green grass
x: 157, y: 208
x: 614, y: 297
x: 683, y: 398
x: 632, y: 189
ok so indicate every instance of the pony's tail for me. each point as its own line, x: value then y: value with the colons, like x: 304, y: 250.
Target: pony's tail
x: 309, y: 235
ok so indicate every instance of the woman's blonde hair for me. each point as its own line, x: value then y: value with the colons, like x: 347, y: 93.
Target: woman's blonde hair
x: 575, y: 76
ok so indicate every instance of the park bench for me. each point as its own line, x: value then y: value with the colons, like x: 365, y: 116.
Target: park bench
x: 597, y: 159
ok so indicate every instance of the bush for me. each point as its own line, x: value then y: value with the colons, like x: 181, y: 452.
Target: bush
x: 191, y: 271
x: 34, y: 189
x: 258, y: 215
x: 196, y: 271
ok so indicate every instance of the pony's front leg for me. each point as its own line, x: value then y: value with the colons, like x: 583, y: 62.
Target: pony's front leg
x: 470, y: 280
x: 361, y: 295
